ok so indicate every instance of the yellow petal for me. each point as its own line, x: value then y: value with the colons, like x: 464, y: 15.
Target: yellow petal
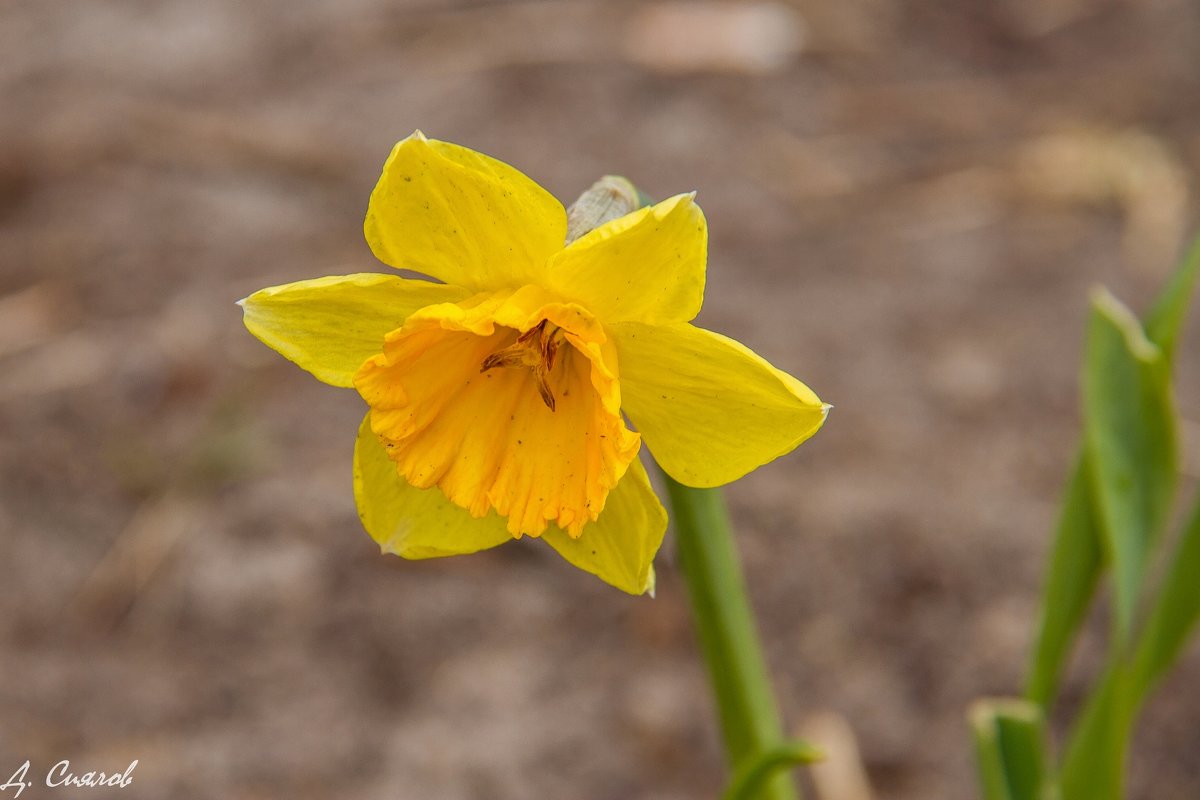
x: 619, y: 547
x: 330, y: 326
x: 709, y: 408
x: 462, y: 217
x: 413, y: 523
x: 647, y: 266
x: 465, y: 401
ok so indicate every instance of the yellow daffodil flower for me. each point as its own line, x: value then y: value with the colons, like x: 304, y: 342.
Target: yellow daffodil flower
x: 498, y: 398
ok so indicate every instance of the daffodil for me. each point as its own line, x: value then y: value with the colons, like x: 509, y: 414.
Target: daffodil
x: 512, y: 398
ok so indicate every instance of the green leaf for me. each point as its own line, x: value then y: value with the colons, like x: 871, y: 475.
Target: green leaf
x: 1165, y: 320
x: 1078, y: 559
x: 1094, y: 765
x: 1010, y: 746
x: 755, y: 771
x: 1130, y: 440
x: 1174, y: 615
x: 1075, y: 566
x: 1129, y: 424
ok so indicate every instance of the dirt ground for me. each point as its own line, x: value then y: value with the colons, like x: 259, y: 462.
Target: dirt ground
x: 908, y: 204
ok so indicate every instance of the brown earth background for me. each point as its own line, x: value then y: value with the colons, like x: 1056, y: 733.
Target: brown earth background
x: 908, y: 203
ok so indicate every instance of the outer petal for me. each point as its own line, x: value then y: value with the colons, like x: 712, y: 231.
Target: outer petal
x: 462, y: 217
x: 330, y: 326
x: 709, y: 409
x: 619, y: 547
x: 413, y: 523
x: 647, y: 266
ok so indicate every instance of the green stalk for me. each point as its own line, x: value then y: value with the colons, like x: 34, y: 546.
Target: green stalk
x: 725, y: 626
x: 755, y: 746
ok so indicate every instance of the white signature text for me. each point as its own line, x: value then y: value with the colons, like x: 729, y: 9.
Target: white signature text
x: 61, y: 775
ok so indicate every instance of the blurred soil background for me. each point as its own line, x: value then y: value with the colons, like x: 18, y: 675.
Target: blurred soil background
x: 908, y: 204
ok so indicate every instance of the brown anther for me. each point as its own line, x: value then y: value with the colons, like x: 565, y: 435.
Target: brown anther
x: 539, y: 356
x: 543, y: 385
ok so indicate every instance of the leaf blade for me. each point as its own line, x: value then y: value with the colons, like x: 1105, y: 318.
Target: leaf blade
x: 1094, y: 765
x: 1129, y: 424
x: 1175, y: 613
x: 1166, y: 317
x: 1076, y: 564
x: 1010, y: 747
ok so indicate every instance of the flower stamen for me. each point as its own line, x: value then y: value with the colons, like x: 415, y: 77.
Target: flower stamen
x: 535, y: 349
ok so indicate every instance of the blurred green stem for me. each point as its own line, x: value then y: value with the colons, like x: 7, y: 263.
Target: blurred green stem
x: 725, y: 626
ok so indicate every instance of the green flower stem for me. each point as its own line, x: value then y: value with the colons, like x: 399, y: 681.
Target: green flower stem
x: 755, y: 746
x: 725, y: 625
